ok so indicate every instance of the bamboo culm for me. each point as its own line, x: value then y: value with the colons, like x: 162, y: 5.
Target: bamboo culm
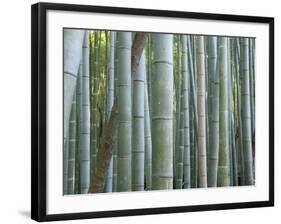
x: 85, y: 120
x: 124, y: 113
x: 162, y: 112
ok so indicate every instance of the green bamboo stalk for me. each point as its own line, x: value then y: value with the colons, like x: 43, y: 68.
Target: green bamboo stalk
x: 192, y: 71
x: 251, y: 71
x: 124, y: 116
x: 65, y: 164
x: 78, y: 128
x: 149, y: 71
x: 200, y: 53
x: 186, y: 109
x: 208, y: 97
x: 179, y: 147
x: 162, y: 112
x: 246, y: 112
x: 214, y: 127
x: 147, y: 137
x: 231, y: 170
x: 192, y: 147
x: 138, y: 127
x: 94, y: 135
x: 223, y: 168
x: 110, y: 100
x: 194, y: 115
x: 233, y: 113
x: 239, y: 111
x: 85, y: 120
x: 114, y: 181
x: 72, y: 148
x: 234, y: 155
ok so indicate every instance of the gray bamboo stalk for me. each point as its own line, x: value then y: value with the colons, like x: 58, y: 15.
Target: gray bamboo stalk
x: 193, y: 175
x: 72, y: 148
x: 239, y: 110
x: 223, y: 168
x: 73, y: 40
x: 246, y: 112
x: 186, y: 109
x: 149, y: 70
x: 234, y: 155
x: 202, y: 168
x: 65, y: 164
x: 110, y: 100
x: 85, y: 120
x: 231, y: 171
x: 233, y: 112
x: 124, y: 113
x: 147, y: 137
x: 138, y: 145
x: 252, y: 78
x: 214, y: 127
x: 162, y: 112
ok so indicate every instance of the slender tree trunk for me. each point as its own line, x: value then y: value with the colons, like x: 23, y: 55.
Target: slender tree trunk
x: 162, y: 112
x: 223, y: 169
x: 201, y: 111
x: 246, y: 112
x: 214, y: 127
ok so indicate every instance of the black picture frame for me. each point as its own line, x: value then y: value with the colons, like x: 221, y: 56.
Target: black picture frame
x: 39, y: 121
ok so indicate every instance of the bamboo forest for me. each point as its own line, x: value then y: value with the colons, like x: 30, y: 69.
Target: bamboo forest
x: 154, y: 111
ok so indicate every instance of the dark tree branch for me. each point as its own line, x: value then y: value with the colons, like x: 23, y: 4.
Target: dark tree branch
x: 137, y: 48
x: 104, y: 154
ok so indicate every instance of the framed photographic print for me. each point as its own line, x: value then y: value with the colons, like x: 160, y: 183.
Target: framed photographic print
x: 139, y: 111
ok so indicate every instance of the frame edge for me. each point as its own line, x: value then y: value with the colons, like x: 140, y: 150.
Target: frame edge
x: 38, y: 112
